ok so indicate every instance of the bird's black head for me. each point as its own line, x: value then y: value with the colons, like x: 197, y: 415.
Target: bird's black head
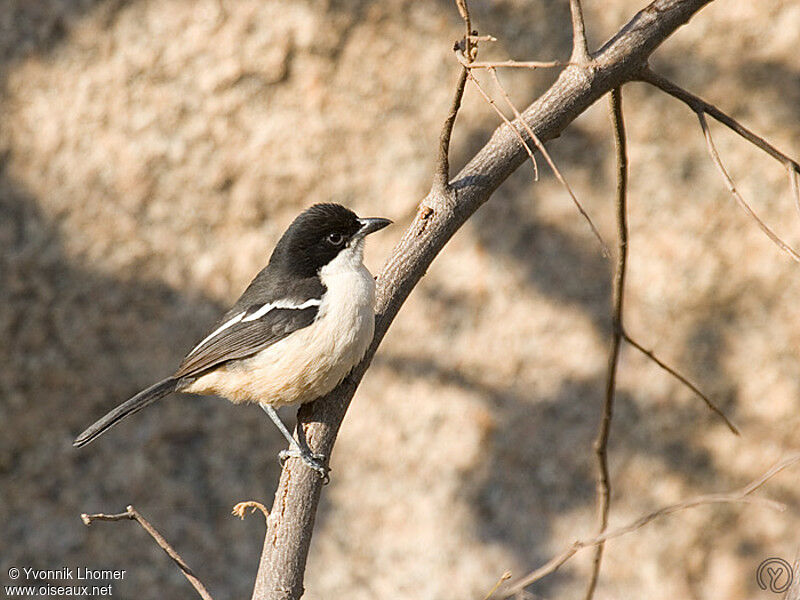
x: 318, y: 235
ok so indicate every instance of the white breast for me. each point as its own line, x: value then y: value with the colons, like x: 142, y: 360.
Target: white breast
x: 311, y: 361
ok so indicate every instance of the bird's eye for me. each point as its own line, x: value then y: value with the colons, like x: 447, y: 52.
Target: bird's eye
x: 335, y: 238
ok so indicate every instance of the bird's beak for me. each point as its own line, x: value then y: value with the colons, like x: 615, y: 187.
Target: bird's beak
x: 371, y: 225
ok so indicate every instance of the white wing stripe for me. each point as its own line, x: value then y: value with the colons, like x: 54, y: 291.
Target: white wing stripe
x: 218, y: 330
x: 281, y: 304
x: 256, y: 315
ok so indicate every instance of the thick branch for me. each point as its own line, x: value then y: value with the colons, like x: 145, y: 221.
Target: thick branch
x: 291, y: 520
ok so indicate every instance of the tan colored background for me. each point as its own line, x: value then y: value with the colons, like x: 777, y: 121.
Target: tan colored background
x: 152, y: 153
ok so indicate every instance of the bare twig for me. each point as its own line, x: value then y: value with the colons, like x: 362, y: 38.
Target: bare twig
x: 441, y: 178
x: 291, y: 520
x: 737, y: 496
x: 699, y: 105
x: 580, y: 48
x: 540, y: 146
x: 131, y: 514
x: 702, y: 108
x: 519, y: 64
x: 500, y: 113
x: 709, y: 403
x: 504, y: 577
x: 463, y: 10
x: 712, y: 150
x: 793, y: 182
x: 601, y: 442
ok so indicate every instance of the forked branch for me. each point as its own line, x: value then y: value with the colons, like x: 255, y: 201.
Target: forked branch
x: 291, y: 520
x: 702, y: 108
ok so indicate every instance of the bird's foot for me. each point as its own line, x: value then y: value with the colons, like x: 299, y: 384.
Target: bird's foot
x: 310, y: 459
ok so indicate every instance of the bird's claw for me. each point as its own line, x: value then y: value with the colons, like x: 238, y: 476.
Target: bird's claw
x: 312, y: 460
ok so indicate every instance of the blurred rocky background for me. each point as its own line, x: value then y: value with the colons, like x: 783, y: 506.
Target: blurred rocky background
x: 151, y: 153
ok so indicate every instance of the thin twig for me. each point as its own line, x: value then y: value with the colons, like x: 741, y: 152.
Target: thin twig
x: 441, y: 178
x: 601, y: 442
x: 505, y: 119
x: 736, y: 496
x: 463, y: 10
x: 131, y: 514
x: 504, y: 577
x: 550, y: 162
x: 709, y: 403
x: 519, y: 64
x: 701, y: 107
x: 580, y: 48
x: 793, y: 182
x: 697, y: 104
x: 712, y: 150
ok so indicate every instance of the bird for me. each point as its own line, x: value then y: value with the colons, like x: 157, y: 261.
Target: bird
x: 296, y: 332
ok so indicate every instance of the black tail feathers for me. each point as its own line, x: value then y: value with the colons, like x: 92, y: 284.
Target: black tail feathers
x: 138, y: 402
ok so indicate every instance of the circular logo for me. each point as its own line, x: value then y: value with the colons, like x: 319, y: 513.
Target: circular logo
x: 774, y: 574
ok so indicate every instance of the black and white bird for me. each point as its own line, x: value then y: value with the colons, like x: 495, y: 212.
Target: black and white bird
x: 296, y: 332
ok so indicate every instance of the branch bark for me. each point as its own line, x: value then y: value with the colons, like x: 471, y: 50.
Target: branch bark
x: 440, y: 215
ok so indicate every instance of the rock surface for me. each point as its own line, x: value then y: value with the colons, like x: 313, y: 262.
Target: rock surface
x: 152, y: 153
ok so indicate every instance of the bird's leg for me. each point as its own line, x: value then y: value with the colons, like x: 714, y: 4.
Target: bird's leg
x: 297, y: 450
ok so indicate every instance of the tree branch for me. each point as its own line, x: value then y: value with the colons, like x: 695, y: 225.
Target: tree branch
x: 702, y: 108
x: 712, y: 150
x: 601, y: 442
x: 697, y: 104
x: 709, y: 403
x: 737, y: 496
x: 291, y: 520
x: 131, y: 514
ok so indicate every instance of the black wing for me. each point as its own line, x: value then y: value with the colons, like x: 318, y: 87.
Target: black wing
x: 247, y: 333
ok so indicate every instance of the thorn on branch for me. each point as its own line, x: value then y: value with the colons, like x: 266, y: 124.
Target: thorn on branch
x: 131, y: 514
x: 580, y: 47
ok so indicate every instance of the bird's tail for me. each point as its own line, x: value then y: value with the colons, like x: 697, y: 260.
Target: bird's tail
x: 138, y: 402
